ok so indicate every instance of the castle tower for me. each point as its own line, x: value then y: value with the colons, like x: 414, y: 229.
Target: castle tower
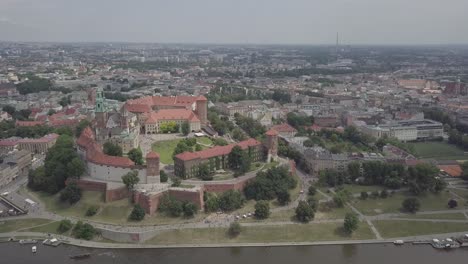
x: 100, y: 109
x: 272, y: 144
x: 202, y: 109
x: 152, y: 167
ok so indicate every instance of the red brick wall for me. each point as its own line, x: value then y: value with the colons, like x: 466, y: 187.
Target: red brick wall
x: 222, y: 187
x: 191, y: 196
x: 149, y: 202
x: 91, y: 185
x: 117, y: 194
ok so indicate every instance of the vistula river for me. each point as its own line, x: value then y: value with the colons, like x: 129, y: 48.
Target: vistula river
x: 14, y: 253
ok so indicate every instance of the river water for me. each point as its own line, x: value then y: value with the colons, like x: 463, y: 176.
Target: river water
x: 13, y: 253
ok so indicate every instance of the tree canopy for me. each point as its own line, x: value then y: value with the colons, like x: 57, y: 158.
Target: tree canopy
x: 112, y: 149
x: 131, y: 179
x: 136, y: 156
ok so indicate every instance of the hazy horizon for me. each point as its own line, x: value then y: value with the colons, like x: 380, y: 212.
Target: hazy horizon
x: 238, y: 22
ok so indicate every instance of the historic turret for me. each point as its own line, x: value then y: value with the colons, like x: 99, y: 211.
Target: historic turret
x: 202, y: 109
x: 152, y: 167
x: 272, y: 144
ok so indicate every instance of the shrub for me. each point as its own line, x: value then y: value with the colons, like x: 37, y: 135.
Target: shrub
x: 304, y: 212
x: 64, y: 226
x: 411, y: 205
x: 364, y: 195
x: 84, y: 231
x: 350, y: 223
x: 163, y: 176
x: 375, y: 194
x: 92, y: 210
x: 262, y: 209
x: 452, y: 203
x: 138, y: 213
x: 234, y: 229
x: 312, y: 190
x: 190, y: 209
x: 384, y: 194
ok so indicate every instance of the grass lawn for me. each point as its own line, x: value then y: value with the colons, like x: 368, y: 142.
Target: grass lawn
x: 335, y: 213
x: 393, y: 228
x: 452, y: 216
x: 258, y: 234
x: 49, y: 228
x: 204, y: 140
x: 429, y: 202
x: 439, y: 150
x: 462, y: 192
x: 13, y: 225
x: 165, y: 150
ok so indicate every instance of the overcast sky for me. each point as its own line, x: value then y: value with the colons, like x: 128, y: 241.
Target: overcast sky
x: 237, y: 21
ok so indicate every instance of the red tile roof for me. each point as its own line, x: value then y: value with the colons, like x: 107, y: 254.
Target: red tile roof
x: 285, y: 127
x: 45, y: 139
x: 452, y: 170
x: 152, y: 155
x: 171, y: 114
x: 8, y: 143
x: 216, y: 151
x: 144, y: 104
x: 271, y: 132
x: 29, y: 123
x: 94, y: 152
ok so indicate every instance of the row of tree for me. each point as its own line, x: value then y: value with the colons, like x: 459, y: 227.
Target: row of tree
x: 419, y: 179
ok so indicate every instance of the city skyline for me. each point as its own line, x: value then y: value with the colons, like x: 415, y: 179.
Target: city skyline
x: 236, y: 22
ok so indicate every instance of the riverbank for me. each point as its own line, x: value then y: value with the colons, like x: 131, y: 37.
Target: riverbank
x: 101, y: 245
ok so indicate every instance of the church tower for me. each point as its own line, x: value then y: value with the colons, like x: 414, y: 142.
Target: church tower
x: 100, y: 109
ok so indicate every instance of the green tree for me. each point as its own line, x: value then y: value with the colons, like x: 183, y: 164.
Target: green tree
x: 9, y: 109
x: 84, y: 231
x: 190, y: 209
x: 198, y: 147
x: 131, y: 179
x: 75, y: 168
x: 92, y: 210
x: 176, y: 182
x: 312, y: 190
x: 452, y: 203
x: 138, y: 213
x: 411, y: 205
x: 238, y: 135
x: 136, y: 156
x: 262, y: 209
x: 212, y: 202
x: 283, y: 197
x: 51, y: 112
x: 64, y: 226
x: 163, y: 176
x: 304, y: 212
x: 231, y: 200
x: 112, y: 149
x: 204, y: 172
x: 235, y: 157
x: 71, y: 193
x: 234, y: 229
x: 422, y: 178
x: 185, y: 128
x: 351, y: 223
x: 81, y: 126
x: 64, y: 131
x: 364, y: 195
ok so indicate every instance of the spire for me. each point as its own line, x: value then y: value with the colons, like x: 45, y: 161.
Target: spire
x: 100, y: 101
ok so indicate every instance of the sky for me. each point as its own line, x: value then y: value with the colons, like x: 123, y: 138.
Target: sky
x: 384, y: 22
